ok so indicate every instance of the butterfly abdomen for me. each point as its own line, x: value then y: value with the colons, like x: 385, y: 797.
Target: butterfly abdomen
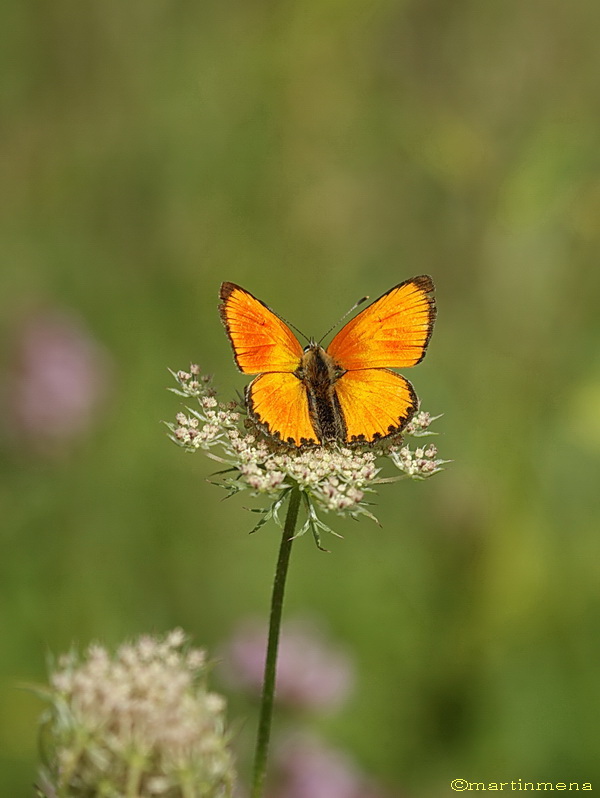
x: 319, y: 373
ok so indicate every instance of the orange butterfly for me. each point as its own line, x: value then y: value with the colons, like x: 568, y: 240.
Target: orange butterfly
x: 344, y: 393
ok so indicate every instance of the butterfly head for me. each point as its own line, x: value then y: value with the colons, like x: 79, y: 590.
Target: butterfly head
x: 312, y: 344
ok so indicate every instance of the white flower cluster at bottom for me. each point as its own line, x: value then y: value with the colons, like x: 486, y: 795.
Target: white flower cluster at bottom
x: 139, y: 722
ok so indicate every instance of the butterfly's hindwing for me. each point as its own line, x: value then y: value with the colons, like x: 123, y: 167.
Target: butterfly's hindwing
x: 376, y: 404
x: 278, y: 403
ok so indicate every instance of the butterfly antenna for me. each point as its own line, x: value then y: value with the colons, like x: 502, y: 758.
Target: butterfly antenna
x: 289, y: 324
x: 346, y: 314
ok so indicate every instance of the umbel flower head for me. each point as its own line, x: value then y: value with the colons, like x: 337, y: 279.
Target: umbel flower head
x: 332, y: 478
x: 138, y: 723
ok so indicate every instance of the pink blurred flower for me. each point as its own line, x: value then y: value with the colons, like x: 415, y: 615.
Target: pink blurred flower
x: 58, y: 381
x: 309, y: 769
x: 311, y: 673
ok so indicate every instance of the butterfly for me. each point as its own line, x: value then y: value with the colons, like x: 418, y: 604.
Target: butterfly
x: 346, y: 392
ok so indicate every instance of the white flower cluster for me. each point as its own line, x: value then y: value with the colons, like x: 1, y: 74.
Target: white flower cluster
x: 420, y: 464
x: 210, y: 424
x: 419, y: 424
x: 334, y: 477
x: 138, y: 723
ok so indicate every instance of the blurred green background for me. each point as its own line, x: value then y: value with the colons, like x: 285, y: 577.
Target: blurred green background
x: 313, y: 152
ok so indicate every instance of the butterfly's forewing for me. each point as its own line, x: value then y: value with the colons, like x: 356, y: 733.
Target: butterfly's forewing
x: 375, y: 403
x: 279, y: 404
x: 392, y: 332
x: 261, y: 341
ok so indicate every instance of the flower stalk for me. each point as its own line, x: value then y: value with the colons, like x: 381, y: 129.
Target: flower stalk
x: 268, y: 693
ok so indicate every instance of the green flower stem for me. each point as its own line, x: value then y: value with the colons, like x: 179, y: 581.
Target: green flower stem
x: 133, y: 777
x: 266, y: 706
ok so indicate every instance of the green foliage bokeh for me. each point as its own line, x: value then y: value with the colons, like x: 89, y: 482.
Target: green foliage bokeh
x: 315, y: 152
